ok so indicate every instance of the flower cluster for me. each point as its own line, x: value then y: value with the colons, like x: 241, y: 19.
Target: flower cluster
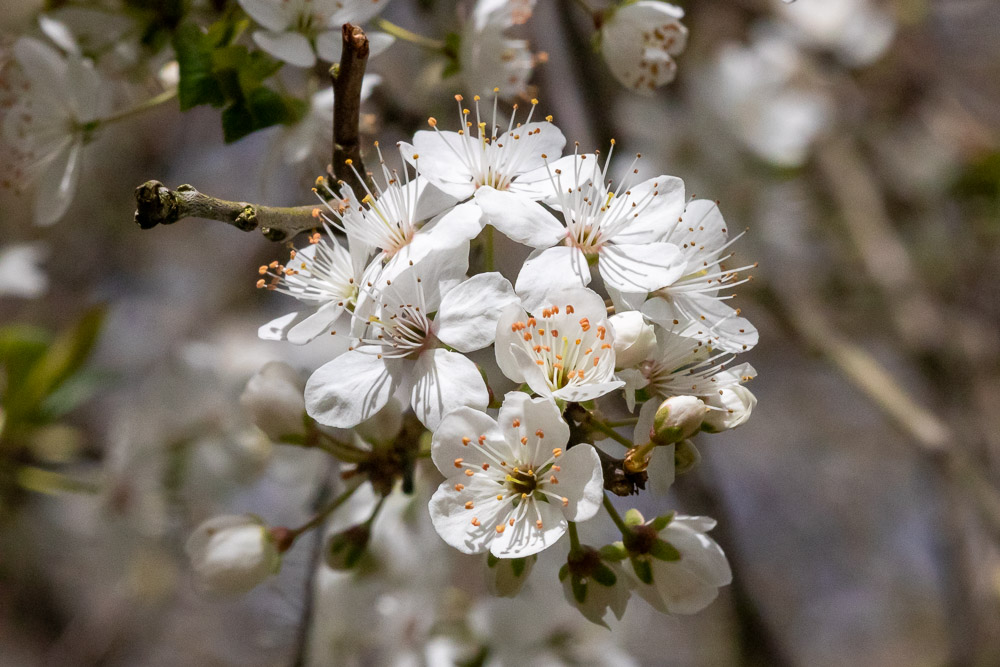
x: 389, y: 277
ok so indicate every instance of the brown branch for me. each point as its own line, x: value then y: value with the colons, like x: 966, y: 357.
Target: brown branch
x: 347, y: 78
x: 156, y: 204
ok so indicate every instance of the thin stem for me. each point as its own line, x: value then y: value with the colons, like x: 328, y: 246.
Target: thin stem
x: 613, y: 513
x: 574, y: 538
x: 325, y: 512
x: 608, y: 431
x: 488, y: 248
x: 142, y: 107
x: 402, y: 33
x: 631, y: 421
x: 587, y: 8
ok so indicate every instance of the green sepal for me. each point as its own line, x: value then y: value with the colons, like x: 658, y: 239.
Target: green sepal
x: 564, y: 572
x: 643, y: 570
x: 491, y: 560
x: 614, y: 552
x: 634, y: 518
x: 579, y: 589
x: 661, y: 522
x: 663, y: 550
x: 604, y: 575
x: 517, y: 566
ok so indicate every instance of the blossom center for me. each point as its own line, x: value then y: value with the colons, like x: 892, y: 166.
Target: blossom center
x: 566, y: 348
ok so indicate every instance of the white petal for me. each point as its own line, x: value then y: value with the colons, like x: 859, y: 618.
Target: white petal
x: 640, y: 434
x: 524, y: 538
x: 325, y: 319
x: 350, y: 389
x: 533, y: 415
x: 540, y: 138
x: 505, y: 339
x: 529, y: 371
x: 42, y: 65
x: 356, y: 11
x: 467, y: 317
x: 581, y: 482
x: 519, y: 218
x: 277, y: 329
x: 439, y: 160
x: 586, y: 392
x: 453, y: 521
x: 662, y: 469
x: 378, y: 42
x: 443, y: 381
x: 540, y: 184
x: 272, y: 14
x: 448, y: 443
x: 638, y: 268
x: 57, y: 184
x: 548, y: 271
x: 291, y: 47
x: 637, y: 42
x: 329, y: 46
x: 659, y: 212
x: 701, y: 231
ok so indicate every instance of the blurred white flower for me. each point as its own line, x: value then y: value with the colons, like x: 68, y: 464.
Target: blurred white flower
x: 490, y: 61
x: 505, y: 577
x: 761, y: 94
x: 564, y: 350
x: 639, y: 41
x: 296, y: 31
x: 687, y: 584
x: 857, y: 31
x: 303, y: 140
x: 232, y: 554
x: 20, y: 271
x: 511, y: 488
x: 273, y: 396
x: 595, y: 587
x: 50, y: 122
x: 415, y: 312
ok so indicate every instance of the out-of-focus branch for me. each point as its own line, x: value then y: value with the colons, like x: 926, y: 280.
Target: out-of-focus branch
x: 347, y: 78
x: 930, y: 434
x: 156, y: 204
x: 854, y: 187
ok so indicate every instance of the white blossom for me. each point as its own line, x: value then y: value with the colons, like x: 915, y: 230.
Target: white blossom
x: 639, y: 41
x: 232, y: 554
x: 600, y: 598
x: 297, y: 31
x: 563, y: 350
x: 512, y: 484
x: 622, y: 228
x: 20, y: 273
x: 412, y: 315
x: 689, y: 584
x: 50, y: 122
x: 490, y: 60
x: 694, y: 304
x: 857, y: 31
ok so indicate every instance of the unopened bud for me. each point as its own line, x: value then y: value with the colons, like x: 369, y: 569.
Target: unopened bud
x: 635, y: 339
x: 274, y: 397
x: 686, y: 457
x: 232, y: 554
x: 506, y: 576
x: 677, y: 418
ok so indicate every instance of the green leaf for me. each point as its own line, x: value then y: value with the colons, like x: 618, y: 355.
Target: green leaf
x: 643, y: 570
x: 604, y: 575
x: 634, y: 518
x: 198, y: 83
x: 661, y: 522
x: 664, y: 551
x: 76, y: 390
x: 21, y: 347
x: 613, y: 553
x: 261, y: 108
x: 61, y: 360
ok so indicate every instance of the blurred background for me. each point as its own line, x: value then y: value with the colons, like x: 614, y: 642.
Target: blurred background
x: 855, y: 140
